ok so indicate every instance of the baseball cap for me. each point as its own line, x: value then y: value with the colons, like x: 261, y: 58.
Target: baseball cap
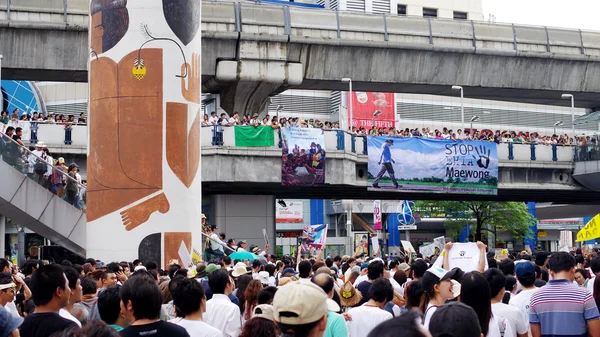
x: 289, y: 270
x: 454, y: 319
x: 434, y: 275
x: 212, y: 267
x: 300, y: 303
x: 263, y: 311
x: 524, y: 269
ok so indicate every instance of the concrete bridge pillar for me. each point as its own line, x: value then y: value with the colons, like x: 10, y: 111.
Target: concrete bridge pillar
x: 243, y: 217
x: 259, y: 70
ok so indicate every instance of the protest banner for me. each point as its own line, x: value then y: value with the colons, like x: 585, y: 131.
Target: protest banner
x: 254, y: 136
x: 303, y: 157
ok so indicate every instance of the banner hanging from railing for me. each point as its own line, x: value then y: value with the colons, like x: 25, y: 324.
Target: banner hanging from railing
x: 370, y: 108
x: 430, y: 165
x: 254, y: 136
x: 303, y: 157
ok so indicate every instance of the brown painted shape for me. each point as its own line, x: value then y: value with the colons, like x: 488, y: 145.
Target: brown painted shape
x: 172, y: 241
x: 125, y: 162
x: 138, y: 214
x: 183, y: 147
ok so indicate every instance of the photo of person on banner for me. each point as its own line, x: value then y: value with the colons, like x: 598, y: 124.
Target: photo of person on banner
x: 313, y: 237
x: 303, y: 157
x: 386, y: 161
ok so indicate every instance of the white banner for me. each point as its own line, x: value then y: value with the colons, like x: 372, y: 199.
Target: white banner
x: 293, y: 212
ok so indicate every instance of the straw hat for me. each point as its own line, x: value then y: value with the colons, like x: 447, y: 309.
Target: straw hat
x: 349, y: 296
x: 285, y: 280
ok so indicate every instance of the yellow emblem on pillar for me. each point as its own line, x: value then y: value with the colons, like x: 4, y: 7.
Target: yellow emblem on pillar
x: 139, y: 69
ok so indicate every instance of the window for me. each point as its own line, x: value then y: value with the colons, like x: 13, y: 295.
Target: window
x: 460, y: 15
x: 401, y: 9
x: 430, y: 12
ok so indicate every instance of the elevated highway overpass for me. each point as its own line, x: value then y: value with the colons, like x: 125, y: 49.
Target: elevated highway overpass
x: 253, y: 50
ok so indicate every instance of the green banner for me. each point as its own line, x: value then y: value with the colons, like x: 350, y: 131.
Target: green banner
x: 254, y: 136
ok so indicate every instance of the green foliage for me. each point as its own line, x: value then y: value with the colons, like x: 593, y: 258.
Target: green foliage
x: 507, y: 216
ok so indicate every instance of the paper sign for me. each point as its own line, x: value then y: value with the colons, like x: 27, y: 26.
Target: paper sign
x: 464, y: 256
x: 408, y: 246
x: 375, y: 244
x: 427, y: 250
x: 265, y: 236
x: 184, y: 255
x: 590, y: 231
x: 440, y: 242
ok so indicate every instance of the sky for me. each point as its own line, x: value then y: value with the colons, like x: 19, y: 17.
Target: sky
x: 577, y: 14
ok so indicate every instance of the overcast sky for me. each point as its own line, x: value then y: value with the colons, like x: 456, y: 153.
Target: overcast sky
x: 582, y: 14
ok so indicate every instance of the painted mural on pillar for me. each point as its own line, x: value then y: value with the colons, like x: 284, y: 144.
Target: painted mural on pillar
x: 144, y: 124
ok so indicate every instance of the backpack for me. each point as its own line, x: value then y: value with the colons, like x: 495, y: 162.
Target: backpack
x: 39, y: 167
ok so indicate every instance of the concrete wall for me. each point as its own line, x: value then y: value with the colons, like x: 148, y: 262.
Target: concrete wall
x: 243, y: 217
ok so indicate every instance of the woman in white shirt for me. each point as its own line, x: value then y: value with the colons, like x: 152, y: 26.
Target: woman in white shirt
x: 437, y: 289
x: 475, y: 292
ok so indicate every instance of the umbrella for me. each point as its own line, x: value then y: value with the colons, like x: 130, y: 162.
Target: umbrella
x: 243, y: 256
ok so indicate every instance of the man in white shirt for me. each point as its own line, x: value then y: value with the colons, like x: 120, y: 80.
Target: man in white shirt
x: 221, y: 313
x: 216, y: 244
x: 507, y: 314
x: 189, y: 299
x: 361, y: 320
x: 525, y: 274
x: 213, y: 120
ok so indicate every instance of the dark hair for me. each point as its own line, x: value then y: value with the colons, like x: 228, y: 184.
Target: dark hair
x: 259, y: 327
x: 136, y: 262
x: 475, y: 292
x: 496, y: 280
x: 44, y: 282
x: 144, y: 295
x: 418, y: 268
x: 188, y: 296
x: 256, y: 264
x: 375, y: 270
x: 93, y: 329
x: 173, y: 269
x: 303, y: 330
x: 226, y: 260
x: 507, y: 266
x: 414, y: 291
x: 242, y: 284
x: 115, y: 20
x: 400, y: 277
x: 511, y: 283
x: 381, y: 290
x: 304, y: 269
x: 78, y: 268
x: 455, y: 319
x: 72, y: 276
x: 561, y: 261
x: 88, y: 285
x: 90, y: 261
x: 597, y: 291
x: 218, y: 281
x: 540, y: 258
x: 266, y: 295
x: 66, y: 263
x: 28, y: 267
x: 109, y: 305
x: 3, y: 264
x: 583, y: 272
x: 113, y: 267
x: 595, y: 264
x: 151, y: 265
x: 337, y: 258
x: 492, y: 263
x: 407, y: 323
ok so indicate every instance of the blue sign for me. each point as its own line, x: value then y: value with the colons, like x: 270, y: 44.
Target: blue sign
x: 405, y: 214
x: 432, y: 165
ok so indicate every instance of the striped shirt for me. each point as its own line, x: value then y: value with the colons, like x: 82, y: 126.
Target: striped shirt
x: 559, y: 302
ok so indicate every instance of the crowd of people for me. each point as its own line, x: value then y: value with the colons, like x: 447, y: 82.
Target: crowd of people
x: 443, y: 133
x: 35, y: 117
x: 39, y: 165
x: 527, y: 294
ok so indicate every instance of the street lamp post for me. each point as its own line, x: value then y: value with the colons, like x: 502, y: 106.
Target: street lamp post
x: 462, y: 108
x: 349, y: 80
x: 567, y: 96
x: 279, y: 109
x: 375, y: 114
x: 557, y: 123
x: 474, y: 119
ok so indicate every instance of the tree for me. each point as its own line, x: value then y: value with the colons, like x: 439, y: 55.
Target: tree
x: 483, y: 216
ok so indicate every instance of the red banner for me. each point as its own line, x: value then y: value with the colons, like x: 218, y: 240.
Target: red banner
x: 364, y: 105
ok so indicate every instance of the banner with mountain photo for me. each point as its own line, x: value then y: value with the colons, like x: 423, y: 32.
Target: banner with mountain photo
x: 431, y: 165
x: 303, y: 157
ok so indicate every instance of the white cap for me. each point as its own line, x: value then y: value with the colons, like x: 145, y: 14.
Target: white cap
x: 300, y: 303
x: 263, y: 277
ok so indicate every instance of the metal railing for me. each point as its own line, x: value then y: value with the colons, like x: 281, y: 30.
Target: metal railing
x: 586, y: 153
x: 51, y: 132
x: 63, y: 7
x: 43, y: 172
x: 342, y: 140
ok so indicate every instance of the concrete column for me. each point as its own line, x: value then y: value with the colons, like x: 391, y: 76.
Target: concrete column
x: 21, y: 249
x: 144, y: 189
x: 243, y: 217
x: 2, y: 235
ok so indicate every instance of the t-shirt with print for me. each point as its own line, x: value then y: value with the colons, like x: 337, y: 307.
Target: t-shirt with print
x: 44, y: 324
x: 522, y: 301
x: 513, y: 317
x: 156, y: 329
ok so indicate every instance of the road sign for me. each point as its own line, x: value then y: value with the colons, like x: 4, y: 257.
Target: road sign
x: 407, y: 227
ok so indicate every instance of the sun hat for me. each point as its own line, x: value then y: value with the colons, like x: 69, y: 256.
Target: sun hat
x: 435, y: 275
x: 263, y: 277
x: 349, y: 296
x: 404, y: 266
x: 285, y: 280
x: 8, y: 322
x: 301, y: 303
x: 265, y: 311
x: 200, y: 270
x: 239, y: 269
x: 255, y: 250
x: 212, y: 268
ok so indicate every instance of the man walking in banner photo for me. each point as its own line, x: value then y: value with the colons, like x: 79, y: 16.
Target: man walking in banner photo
x: 387, y: 161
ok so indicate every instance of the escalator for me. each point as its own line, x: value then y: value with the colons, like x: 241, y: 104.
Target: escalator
x: 26, y: 198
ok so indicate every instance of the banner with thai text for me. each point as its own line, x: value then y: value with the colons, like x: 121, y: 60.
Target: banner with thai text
x: 377, y: 215
x: 254, y: 136
x: 364, y: 106
x: 292, y: 212
x: 303, y: 157
x: 431, y: 165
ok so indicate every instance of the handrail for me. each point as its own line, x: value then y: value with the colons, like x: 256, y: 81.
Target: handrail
x: 25, y: 150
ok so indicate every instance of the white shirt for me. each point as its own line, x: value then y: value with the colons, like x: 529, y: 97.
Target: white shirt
x: 364, y: 319
x: 590, y: 285
x: 513, y: 317
x: 522, y: 301
x: 359, y: 279
x: 213, y: 120
x: 223, y: 315
x: 427, y: 315
x: 199, y: 328
x: 494, y: 328
x: 214, y: 242
x: 65, y: 314
x: 12, y: 308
